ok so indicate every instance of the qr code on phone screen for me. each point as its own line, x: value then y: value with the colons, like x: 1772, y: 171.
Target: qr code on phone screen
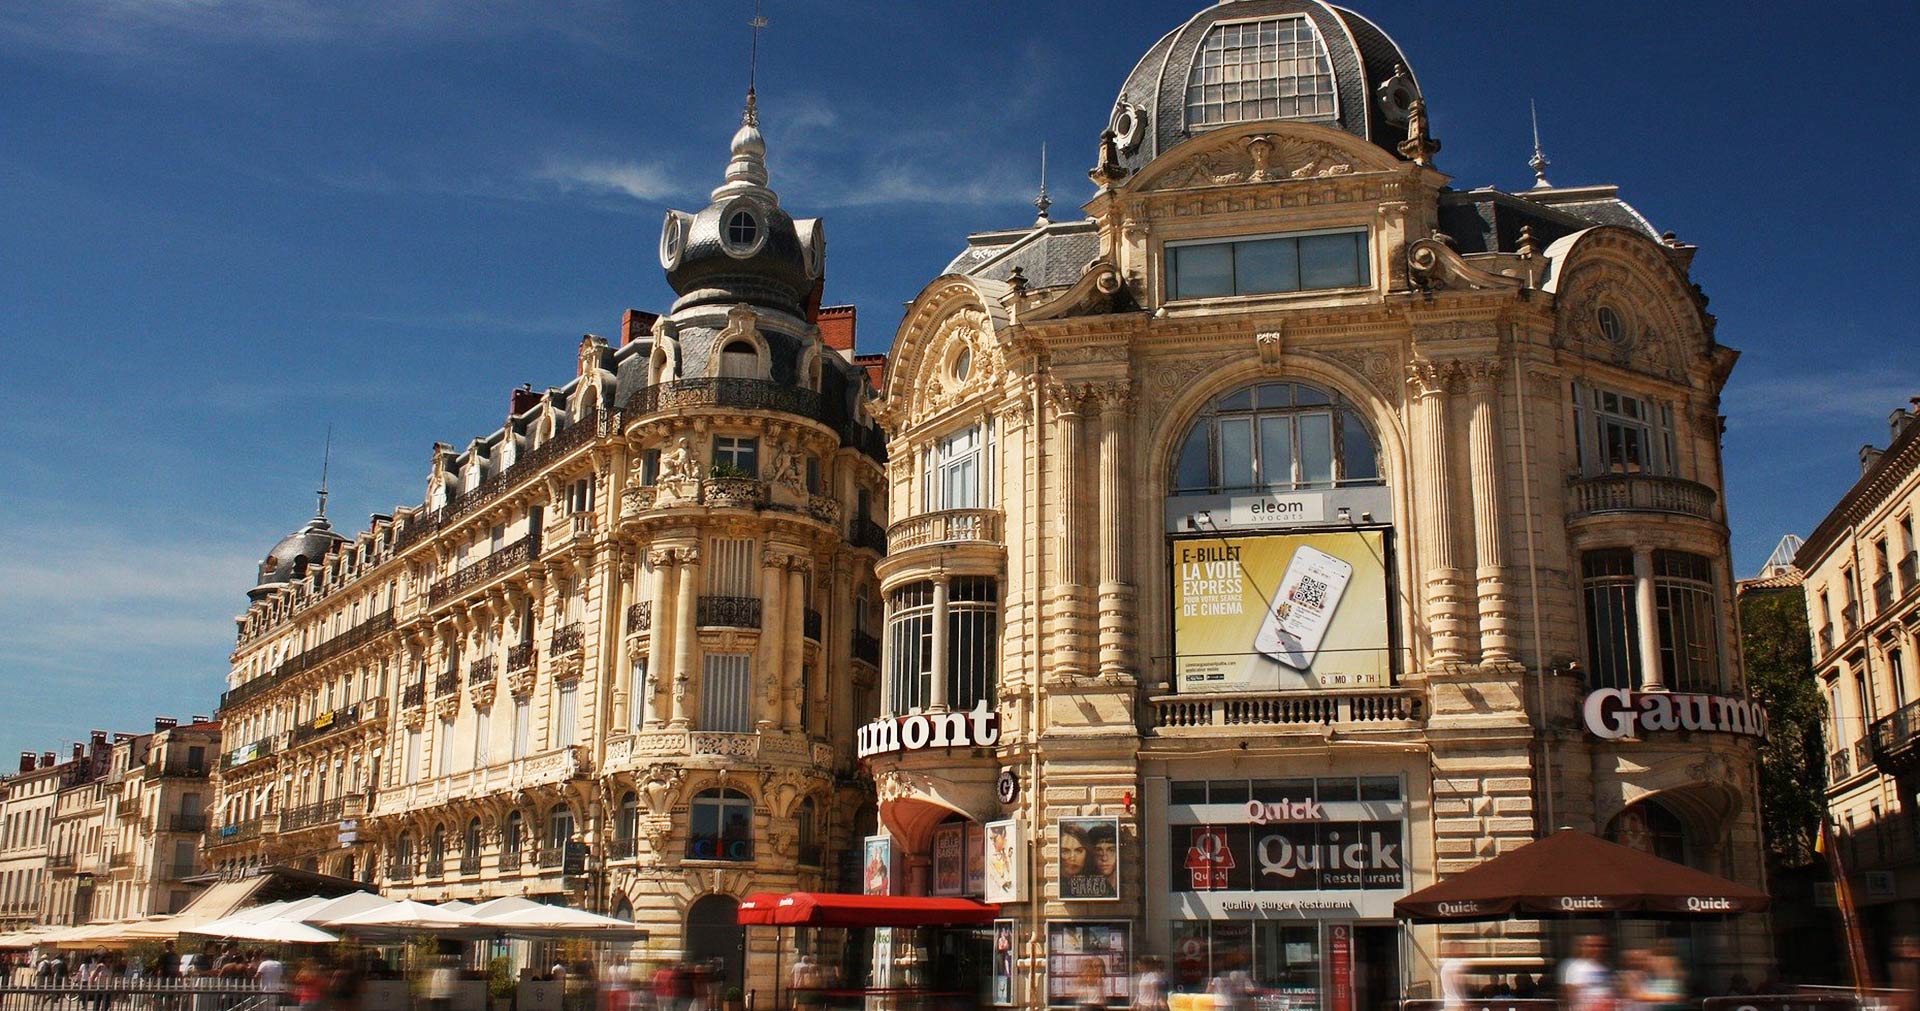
x: 1310, y: 592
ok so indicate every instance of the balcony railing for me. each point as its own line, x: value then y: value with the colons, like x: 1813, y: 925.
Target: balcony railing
x: 865, y: 533
x: 567, y: 638
x: 470, y: 864
x: 447, y: 682
x: 187, y: 823
x: 1849, y: 618
x: 758, y: 395
x: 549, y: 857
x: 1839, y: 766
x: 622, y: 848
x: 480, y: 671
x: 239, y: 831
x: 435, y: 867
x: 353, y: 638
x: 866, y: 647
x: 1611, y: 493
x: 308, y: 815
x: 509, y: 860
x: 62, y: 861
x: 1281, y: 709
x: 120, y: 858
x: 1909, y: 568
x: 498, y: 564
x: 183, y: 770
x: 1896, y: 739
x: 580, y: 432
x: 400, y: 872
x: 1828, y: 641
x: 519, y: 657
x: 333, y: 721
x: 948, y: 526
x: 810, y: 624
x: 1883, y: 593
x: 640, y: 616
x: 413, y: 695
x: 727, y: 612
x: 733, y: 492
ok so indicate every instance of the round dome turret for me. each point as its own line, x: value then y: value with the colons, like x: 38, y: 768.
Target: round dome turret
x: 742, y: 247
x: 290, y: 558
x: 1244, y: 61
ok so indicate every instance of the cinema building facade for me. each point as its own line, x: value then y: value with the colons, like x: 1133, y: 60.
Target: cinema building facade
x: 1292, y: 531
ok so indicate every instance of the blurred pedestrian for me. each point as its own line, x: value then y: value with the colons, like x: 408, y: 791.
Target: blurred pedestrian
x: 1091, y: 983
x: 1149, y: 985
x: 1586, y: 984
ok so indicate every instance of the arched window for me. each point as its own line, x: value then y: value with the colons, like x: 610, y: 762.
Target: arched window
x: 402, y: 868
x: 1650, y: 828
x: 806, y: 832
x: 1273, y: 68
x: 470, y: 843
x: 627, y: 825
x: 1275, y: 436
x: 720, y: 826
x: 740, y: 360
x: 437, y: 855
x: 511, y: 832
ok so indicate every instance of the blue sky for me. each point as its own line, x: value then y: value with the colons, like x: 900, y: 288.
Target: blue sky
x: 229, y: 223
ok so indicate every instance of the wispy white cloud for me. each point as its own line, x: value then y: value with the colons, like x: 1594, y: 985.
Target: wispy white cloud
x: 156, y: 27
x: 641, y: 181
x: 1828, y: 395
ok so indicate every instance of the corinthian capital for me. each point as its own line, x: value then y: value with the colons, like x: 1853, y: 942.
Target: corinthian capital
x: 1066, y: 397
x: 1428, y: 378
x: 1482, y: 374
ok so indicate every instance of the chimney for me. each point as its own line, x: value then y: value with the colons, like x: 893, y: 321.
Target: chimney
x: 164, y: 723
x: 1868, y: 457
x: 524, y: 400
x: 27, y: 759
x: 837, y: 328
x: 637, y: 324
x: 46, y: 759
x: 1897, y: 423
x: 79, y: 751
x: 99, y: 736
x: 202, y: 718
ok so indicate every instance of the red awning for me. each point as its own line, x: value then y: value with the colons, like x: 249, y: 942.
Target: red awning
x: 756, y: 910
x: 827, y: 909
x: 1573, y: 874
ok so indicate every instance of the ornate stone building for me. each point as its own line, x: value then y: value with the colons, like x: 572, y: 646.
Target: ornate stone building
x: 616, y: 656
x: 1296, y: 529
x: 1862, y: 570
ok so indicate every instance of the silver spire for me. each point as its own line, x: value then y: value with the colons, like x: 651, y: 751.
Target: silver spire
x: 1538, y: 163
x: 1042, y: 202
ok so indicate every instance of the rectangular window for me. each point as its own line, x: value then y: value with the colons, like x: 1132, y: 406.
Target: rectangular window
x: 1689, y: 629
x: 1269, y: 265
x: 731, y: 571
x: 443, y: 764
x: 1613, y: 650
x: 522, y: 728
x: 1622, y: 434
x: 973, y: 639
x: 726, y: 693
x: 482, y: 731
x: 566, y: 713
x: 736, y: 456
x: 650, y: 467
x: 1897, y: 671
x: 910, y: 649
x: 637, y: 696
x: 412, y: 764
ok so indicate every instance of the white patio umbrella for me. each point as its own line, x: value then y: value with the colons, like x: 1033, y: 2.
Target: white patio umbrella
x: 406, y: 917
x: 272, y: 931
x: 502, y: 905
x: 345, y: 905
x: 562, y: 921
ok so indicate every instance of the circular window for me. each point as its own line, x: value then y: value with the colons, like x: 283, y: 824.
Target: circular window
x: 672, y: 241
x: 740, y: 231
x: 963, y: 363
x: 1610, y: 324
x: 1127, y: 125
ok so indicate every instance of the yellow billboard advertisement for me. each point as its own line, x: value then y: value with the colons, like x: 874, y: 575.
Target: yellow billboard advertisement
x: 1279, y: 612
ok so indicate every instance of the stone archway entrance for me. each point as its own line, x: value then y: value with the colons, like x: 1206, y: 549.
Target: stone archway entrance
x: 714, y: 932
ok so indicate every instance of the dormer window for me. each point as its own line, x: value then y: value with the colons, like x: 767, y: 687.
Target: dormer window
x: 1273, y: 68
x: 740, y: 231
x: 1267, y: 265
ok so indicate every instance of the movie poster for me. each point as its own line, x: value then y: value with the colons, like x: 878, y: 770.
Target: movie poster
x: 1089, y: 858
x: 880, y: 866
x: 1006, y: 870
x: 976, y: 858
x: 949, y: 857
x: 1078, y: 950
x: 1282, y: 612
x: 1004, y: 953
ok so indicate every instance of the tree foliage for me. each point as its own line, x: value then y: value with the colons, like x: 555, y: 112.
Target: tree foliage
x: 1793, y: 772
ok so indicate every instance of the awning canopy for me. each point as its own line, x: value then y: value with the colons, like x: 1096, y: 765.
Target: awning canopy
x: 756, y: 910
x: 1573, y: 874
x: 828, y: 909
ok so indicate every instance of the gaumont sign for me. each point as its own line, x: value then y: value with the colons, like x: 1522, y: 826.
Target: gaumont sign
x: 1614, y: 713
x: 979, y: 728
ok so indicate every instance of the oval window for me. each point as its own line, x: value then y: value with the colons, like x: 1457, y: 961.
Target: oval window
x: 963, y: 363
x: 1610, y: 324
x: 742, y: 230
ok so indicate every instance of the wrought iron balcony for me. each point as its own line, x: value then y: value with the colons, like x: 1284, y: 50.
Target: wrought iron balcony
x: 1849, y: 618
x: 447, y: 682
x: 498, y: 564
x: 470, y: 864
x: 810, y: 624
x: 1883, y: 593
x: 580, y: 432
x: 187, y: 823
x: 622, y: 848
x: 1839, y: 766
x: 1828, y: 641
x: 413, y: 695
x: 520, y: 657
x: 353, y: 638
x: 567, y: 638
x: 62, y: 861
x: 247, y: 753
x: 948, y: 526
x: 746, y: 394
x: 181, y: 769
x: 550, y: 857
x: 865, y: 533
x: 1896, y: 740
x: 480, y: 671
x: 640, y: 616
x: 727, y: 612
x: 509, y: 860
x: 331, y: 722
x: 400, y: 871
x: 1909, y: 571
x: 325, y: 812
x: 435, y: 867
x: 1644, y: 493
x: 234, y: 832
x: 866, y: 648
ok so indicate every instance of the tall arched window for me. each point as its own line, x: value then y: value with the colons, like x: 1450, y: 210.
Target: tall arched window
x: 511, y: 834
x: 559, y: 827
x: 402, y: 869
x: 437, y: 855
x: 1273, y: 68
x: 1275, y: 436
x: 626, y: 825
x: 806, y: 832
x: 740, y: 360
x: 470, y: 848
x: 720, y: 826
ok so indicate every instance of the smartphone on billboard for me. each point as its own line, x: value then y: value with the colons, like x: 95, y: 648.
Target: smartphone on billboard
x: 1303, y: 608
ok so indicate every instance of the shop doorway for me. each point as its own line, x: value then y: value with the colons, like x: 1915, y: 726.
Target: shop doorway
x: 961, y: 963
x: 714, y: 934
x: 1376, y: 967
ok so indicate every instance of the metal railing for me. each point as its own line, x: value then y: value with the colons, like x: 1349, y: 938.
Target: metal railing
x: 400, y: 871
x: 865, y: 533
x: 640, y: 616
x: 567, y: 638
x: 140, y: 993
x: 333, y: 721
x: 810, y: 624
x: 519, y: 657
x: 947, y: 526
x: 353, y: 638
x: 572, y: 437
x: 727, y: 612
x: 549, y: 857
x: 494, y: 566
x: 622, y: 848
x: 234, y: 832
x: 1909, y: 568
x: 470, y: 863
x: 253, y: 752
x: 183, y: 769
x: 1608, y: 493
x: 1839, y: 765
x: 1281, y: 709
x: 509, y: 860
x: 309, y: 815
x: 447, y: 682
x: 1894, y: 737
x: 1883, y: 593
x: 413, y: 695
x: 480, y: 671
x: 187, y: 823
x: 866, y: 647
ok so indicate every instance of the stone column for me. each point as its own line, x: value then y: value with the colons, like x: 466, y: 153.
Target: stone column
x: 1116, y: 590
x: 793, y: 635
x: 659, y: 636
x: 1068, y: 605
x: 1647, y: 621
x: 686, y: 636
x: 1447, y: 609
x: 1489, y: 505
x: 937, y: 700
x: 773, y: 638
